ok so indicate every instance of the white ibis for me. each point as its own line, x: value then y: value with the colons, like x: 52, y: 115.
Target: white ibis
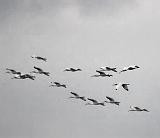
x: 23, y: 76
x: 132, y: 67
x: 39, y: 58
x: 12, y: 71
x: 72, y: 69
x: 102, y: 74
x: 76, y: 96
x: 57, y: 84
x: 40, y: 71
x: 108, y: 69
x: 137, y: 109
x: 95, y: 102
x: 112, y: 101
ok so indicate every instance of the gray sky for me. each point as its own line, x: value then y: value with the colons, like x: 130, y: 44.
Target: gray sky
x: 87, y: 34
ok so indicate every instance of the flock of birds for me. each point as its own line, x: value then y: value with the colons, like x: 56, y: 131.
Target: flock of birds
x: 101, y: 73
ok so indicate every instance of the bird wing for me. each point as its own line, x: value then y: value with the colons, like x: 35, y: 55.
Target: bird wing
x: 109, y: 98
x: 75, y: 94
x: 145, y: 110
x: 137, y: 108
x: 72, y: 69
x: 94, y: 101
x: 124, y: 69
x: 125, y: 86
x: 39, y: 69
x: 108, y: 68
x: 41, y: 58
x: 57, y: 83
x: 114, y: 69
x: 12, y: 70
x: 100, y: 72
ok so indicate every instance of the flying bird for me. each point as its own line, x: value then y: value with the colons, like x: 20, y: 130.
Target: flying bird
x: 112, y: 101
x: 39, y: 58
x: 124, y: 85
x: 23, y: 76
x: 132, y: 67
x: 76, y: 96
x: 40, y: 71
x: 137, y: 109
x: 12, y: 71
x: 102, y: 74
x: 95, y: 102
x: 72, y: 69
x: 108, y: 69
x: 57, y: 84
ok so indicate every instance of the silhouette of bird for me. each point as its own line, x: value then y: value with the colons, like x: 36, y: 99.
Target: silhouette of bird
x: 108, y: 69
x: 76, y: 96
x: 124, y: 85
x: 137, y: 109
x: 29, y: 76
x: 57, y: 84
x: 112, y: 101
x: 95, y: 102
x: 39, y: 58
x: 72, y: 69
x: 102, y: 74
x: 40, y: 71
x: 23, y: 76
x: 133, y: 67
x: 12, y: 71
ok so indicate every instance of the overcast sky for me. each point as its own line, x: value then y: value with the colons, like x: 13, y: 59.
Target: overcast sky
x: 85, y: 34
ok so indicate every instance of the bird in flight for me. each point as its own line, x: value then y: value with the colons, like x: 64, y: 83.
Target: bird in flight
x: 57, y: 84
x: 12, y: 71
x: 39, y: 58
x: 108, y: 69
x: 40, y: 71
x: 132, y: 67
x: 23, y: 76
x: 124, y: 85
x: 102, y: 74
x: 112, y: 101
x: 76, y: 96
x: 137, y: 109
x: 72, y: 69
x: 95, y: 102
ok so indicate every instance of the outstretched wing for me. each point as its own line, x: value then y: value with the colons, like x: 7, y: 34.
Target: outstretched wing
x: 57, y: 83
x: 109, y: 98
x: 94, y: 101
x: 12, y: 70
x: 125, y: 86
x: 137, y: 108
x: 39, y: 69
x: 145, y: 110
x: 75, y: 94
x: 113, y: 69
x: 72, y: 69
x: 100, y: 72
x: 41, y: 58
